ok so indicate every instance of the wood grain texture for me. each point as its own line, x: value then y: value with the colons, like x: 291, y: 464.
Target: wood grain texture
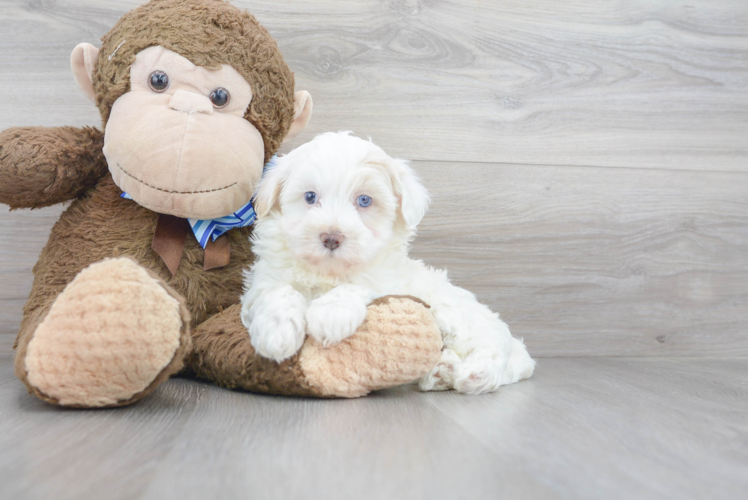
x: 597, y: 261
x: 580, y: 429
x: 620, y: 428
x: 604, y: 83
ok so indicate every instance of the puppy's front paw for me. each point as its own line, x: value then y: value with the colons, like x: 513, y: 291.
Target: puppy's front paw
x: 276, y: 338
x: 276, y: 323
x: 331, y: 319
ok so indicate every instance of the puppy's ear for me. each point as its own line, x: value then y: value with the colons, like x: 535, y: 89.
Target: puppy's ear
x: 414, y: 198
x: 270, y: 189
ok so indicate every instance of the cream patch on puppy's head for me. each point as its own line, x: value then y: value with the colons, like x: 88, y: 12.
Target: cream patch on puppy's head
x: 340, y: 200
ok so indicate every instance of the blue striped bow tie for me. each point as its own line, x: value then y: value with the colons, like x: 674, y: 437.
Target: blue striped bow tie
x: 215, y: 228
x: 212, y: 229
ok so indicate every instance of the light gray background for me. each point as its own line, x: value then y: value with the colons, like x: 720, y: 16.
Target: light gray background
x: 588, y: 162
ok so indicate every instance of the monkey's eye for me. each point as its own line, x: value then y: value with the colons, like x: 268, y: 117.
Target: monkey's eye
x: 158, y: 81
x: 364, y: 201
x: 220, y: 97
x: 310, y: 197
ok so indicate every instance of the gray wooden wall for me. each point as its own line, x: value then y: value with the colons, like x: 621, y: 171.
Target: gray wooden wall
x: 588, y: 160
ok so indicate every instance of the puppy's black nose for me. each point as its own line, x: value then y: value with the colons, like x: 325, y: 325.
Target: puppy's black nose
x: 331, y: 240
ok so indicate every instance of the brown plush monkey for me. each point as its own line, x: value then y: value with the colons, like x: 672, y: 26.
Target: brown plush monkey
x: 195, y: 97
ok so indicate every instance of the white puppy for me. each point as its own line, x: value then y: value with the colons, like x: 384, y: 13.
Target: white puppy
x: 335, y: 218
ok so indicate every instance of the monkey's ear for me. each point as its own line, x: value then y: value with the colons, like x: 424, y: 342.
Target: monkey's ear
x: 302, y: 112
x: 83, y: 62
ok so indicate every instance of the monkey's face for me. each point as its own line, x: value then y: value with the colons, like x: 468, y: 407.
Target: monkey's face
x: 178, y: 142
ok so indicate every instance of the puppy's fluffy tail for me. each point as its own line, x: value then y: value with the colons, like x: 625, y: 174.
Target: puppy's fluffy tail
x: 520, y: 365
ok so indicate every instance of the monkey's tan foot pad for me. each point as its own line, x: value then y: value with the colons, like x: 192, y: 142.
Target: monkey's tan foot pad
x: 398, y: 343
x: 110, y: 338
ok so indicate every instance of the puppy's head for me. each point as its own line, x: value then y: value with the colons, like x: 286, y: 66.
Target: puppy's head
x: 340, y: 200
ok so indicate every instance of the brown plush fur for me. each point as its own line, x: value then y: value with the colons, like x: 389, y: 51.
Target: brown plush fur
x: 100, y: 225
x: 223, y: 354
x: 208, y: 33
x: 49, y: 165
x: 40, y: 166
x: 174, y: 366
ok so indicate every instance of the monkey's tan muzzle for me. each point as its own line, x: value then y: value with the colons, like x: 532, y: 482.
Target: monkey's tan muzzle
x: 176, y: 156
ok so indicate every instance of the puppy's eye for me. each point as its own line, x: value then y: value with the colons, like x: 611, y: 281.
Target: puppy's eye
x: 220, y: 97
x: 158, y: 81
x: 310, y: 197
x: 364, y: 201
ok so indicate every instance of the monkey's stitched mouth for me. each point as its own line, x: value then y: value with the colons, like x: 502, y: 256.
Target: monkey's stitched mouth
x: 173, y: 192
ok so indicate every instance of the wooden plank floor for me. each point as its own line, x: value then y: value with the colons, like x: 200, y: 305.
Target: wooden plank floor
x: 582, y: 428
x: 589, y: 170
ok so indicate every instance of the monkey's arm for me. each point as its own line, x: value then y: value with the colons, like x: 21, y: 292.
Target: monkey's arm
x: 41, y: 166
x: 399, y: 343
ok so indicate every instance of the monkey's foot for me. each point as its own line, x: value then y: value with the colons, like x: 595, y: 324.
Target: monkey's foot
x: 110, y: 338
x: 398, y: 343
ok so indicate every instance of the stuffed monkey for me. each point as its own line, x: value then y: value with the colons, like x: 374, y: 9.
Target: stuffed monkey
x: 142, y: 274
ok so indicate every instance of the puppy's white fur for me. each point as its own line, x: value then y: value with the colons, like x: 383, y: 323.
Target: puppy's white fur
x: 299, y: 286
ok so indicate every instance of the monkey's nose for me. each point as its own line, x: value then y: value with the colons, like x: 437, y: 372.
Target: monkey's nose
x: 190, y: 102
x: 331, y: 240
